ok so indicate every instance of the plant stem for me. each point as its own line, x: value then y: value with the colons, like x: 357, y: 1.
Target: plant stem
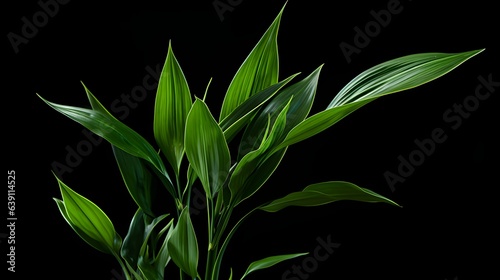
x: 223, y: 221
x: 220, y: 254
x: 123, y: 266
x: 211, y: 255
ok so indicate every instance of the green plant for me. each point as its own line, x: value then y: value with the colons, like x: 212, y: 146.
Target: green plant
x: 264, y: 116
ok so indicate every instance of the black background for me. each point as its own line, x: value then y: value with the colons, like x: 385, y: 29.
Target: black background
x: 446, y: 228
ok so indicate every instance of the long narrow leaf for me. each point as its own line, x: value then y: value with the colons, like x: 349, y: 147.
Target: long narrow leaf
x: 240, y: 116
x: 268, y: 262
x: 85, y: 237
x: 132, y: 242
x: 89, y: 219
x: 303, y: 93
x: 137, y: 178
x: 400, y: 74
x: 259, y: 70
x: 326, y: 192
x: 163, y: 257
x: 134, y: 171
x: 147, y: 253
x: 172, y: 104
x: 206, y: 148
x: 183, y: 245
x: 115, y: 132
x: 153, y: 266
x: 386, y: 78
x: 239, y: 184
x: 319, y: 122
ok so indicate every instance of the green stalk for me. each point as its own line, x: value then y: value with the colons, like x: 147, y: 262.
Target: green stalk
x: 211, y: 257
x: 210, y: 251
x: 123, y: 266
x: 220, y: 255
x: 223, y: 221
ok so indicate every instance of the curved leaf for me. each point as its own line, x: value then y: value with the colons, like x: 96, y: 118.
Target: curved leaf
x: 320, y: 122
x: 116, y: 133
x: 172, y: 104
x: 259, y: 70
x: 163, y: 256
x: 261, y: 174
x: 135, y: 173
x: 91, y: 241
x: 268, y: 262
x: 88, y: 220
x: 386, y: 78
x: 137, y: 179
x: 303, y: 93
x: 239, y: 117
x: 326, y: 192
x: 206, y: 148
x: 241, y: 184
x: 400, y: 74
x: 183, y: 246
x: 153, y: 266
x: 132, y: 242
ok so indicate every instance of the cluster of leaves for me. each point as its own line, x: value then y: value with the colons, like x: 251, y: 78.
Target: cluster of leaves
x: 266, y: 115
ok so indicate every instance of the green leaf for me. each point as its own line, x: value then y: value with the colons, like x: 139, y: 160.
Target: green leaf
x: 245, y: 169
x: 259, y: 70
x: 92, y: 242
x: 140, y: 237
x: 150, y: 237
x: 153, y: 266
x: 137, y: 178
x: 116, y: 133
x: 88, y: 220
x: 240, y: 116
x: 303, y: 94
x: 206, y: 148
x: 386, y: 78
x: 400, y: 74
x: 319, y: 122
x: 326, y: 192
x: 163, y: 257
x: 135, y: 173
x: 133, y: 241
x: 261, y: 174
x: 172, y: 104
x: 183, y: 246
x: 95, y: 103
x: 268, y: 262
x: 146, y: 261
